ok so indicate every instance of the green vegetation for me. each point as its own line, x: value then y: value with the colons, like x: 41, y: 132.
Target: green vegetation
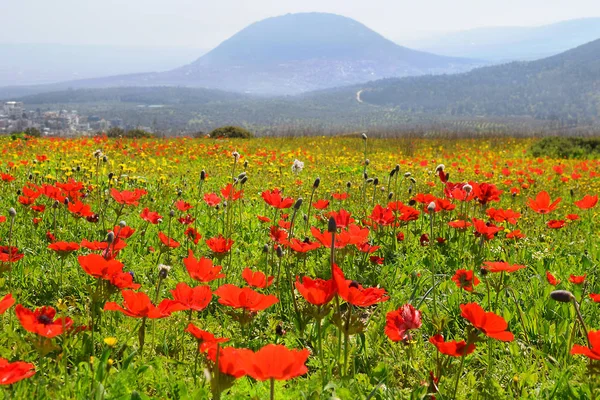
x: 566, y: 147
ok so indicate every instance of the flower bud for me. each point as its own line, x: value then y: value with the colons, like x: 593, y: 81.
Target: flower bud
x: 564, y: 296
x: 376, y: 181
x: 241, y: 175
x: 202, y: 175
x: 266, y: 248
x: 331, y: 225
x: 367, y: 162
x: 110, y: 176
x: 66, y: 201
x: 245, y: 164
x: 431, y: 207
x: 363, y: 136
x: 298, y: 204
x: 279, y: 252
x: 317, y: 183
x: 390, y: 195
x: 392, y: 173
x: 171, y: 213
x: 370, y: 180
x: 110, y: 237
x: 468, y: 188
x: 244, y: 180
x: 348, y: 184
x: 12, y: 212
x: 163, y: 271
x: 407, y: 174
x: 122, y: 224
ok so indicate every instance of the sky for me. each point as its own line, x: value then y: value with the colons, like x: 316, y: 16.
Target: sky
x: 203, y: 24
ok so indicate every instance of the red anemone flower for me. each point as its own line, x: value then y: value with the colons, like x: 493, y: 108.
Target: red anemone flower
x: 490, y: 324
x: 219, y: 244
x: 320, y: 204
x: 205, y: 339
x: 465, y: 279
x: 316, y: 291
x: 183, y: 206
x: 192, y: 235
x: 79, y: 209
x: 302, y: 246
x: 202, y: 269
x: 246, y: 298
x: 342, y: 218
x: 138, y: 305
x: 229, y: 193
x: 501, y: 266
x: 593, y: 351
x: 6, y: 303
x: 595, y: 297
x: 42, y: 322
x: 587, y: 202
x: 230, y: 360
x: 123, y: 232
x: 451, y: 348
x: 196, y: 298
x: 15, y: 371
x: 487, y: 230
x: 257, y: 279
x: 274, y: 199
x: 400, y: 321
x: 10, y: 254
x: 460, y: 224
x: 354, y: 293
x: 275, y: 361
x: 542, y: 203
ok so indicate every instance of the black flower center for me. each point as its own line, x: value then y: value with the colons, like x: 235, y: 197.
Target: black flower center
x: 44, y: 319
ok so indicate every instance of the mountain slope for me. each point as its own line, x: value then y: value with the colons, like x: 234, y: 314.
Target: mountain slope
x: 289, y: 54
x: 562, y: 86
x: 512, y: 43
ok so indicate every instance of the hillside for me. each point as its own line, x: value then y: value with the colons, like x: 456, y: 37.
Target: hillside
x: 284, y: 55
x: 565, y: 86
x: 502, y: 44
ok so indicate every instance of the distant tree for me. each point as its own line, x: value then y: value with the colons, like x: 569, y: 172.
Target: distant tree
x: 231, y: 132
x: 138, y: 133
x: 33, y: 132
x: 115, y: 132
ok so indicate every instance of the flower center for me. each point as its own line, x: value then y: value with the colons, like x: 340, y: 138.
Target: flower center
x: 44, y: 319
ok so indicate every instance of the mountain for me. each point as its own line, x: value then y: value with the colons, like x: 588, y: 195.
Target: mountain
x: 42, y: 63
x: 289, y: 54
x: 565, y: 86
x: 501, y: 44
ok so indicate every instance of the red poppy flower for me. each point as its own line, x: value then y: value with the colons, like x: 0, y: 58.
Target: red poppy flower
x: 38, y: 208
x: 501, y: 266
x: 465, y: 279
x: 382, y: 216
x: 205, y: 339
x: 167, y: 241
x: 302, y: 246
x: 7, y: 177
x: 230, y: 360
x: 400, y: 321
x: 516, y: 234
x: 451, y: 348
x: 551, y: 279
x: 490, y: 324
x: 219, y: 245
x: 150, y: 216
x: 108, y: 251
x: 257, y: 279
x: 316, y: 291
x: 485, y: 192
x: 377, y: 260
x: 138, y: 305
x: 15, y: 371
x: 186, y: 220
x: 595, y: 298
x: 587, y: 202
x: 424, y: 240
x: 212, y: 199
x: 123, y: 232
x: 320, y: 204
x: 63, y: 248
x: 487, y: 230
x: 277, y: 235
x: 342, y: 218
x: 229, y: 193
x: 424, y: 198
x: 196, y: 298
x: 246, y: 298
x: 10, y: 254
x: 340, y: 196
x: 202, y: 269
x: 460, y: 224
x: 542, y: 203
x: 593, y: 351
x: 41, y: 321
x: 98, y: 267
x: 262, y: 218
x: 183, y: 206
x: 275, y: 361
x: 6, y: 303
x: 192, y: 235
x: 274, y: 199
x: 354, y: 293
x: 572, y: 217
x: 556, y: 224
x: 353, y: 235
x: 400, y: 236
x: 79, y: 209
x: 127, y: 197
x: 577, y: 280
x: 500, y: 215
x: 367, y: 248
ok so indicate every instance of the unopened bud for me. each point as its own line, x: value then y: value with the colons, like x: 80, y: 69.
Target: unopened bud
x: 564, y: 296
x: 331, y: 225
x: 407, y: 174
x: 431, y: 207
x: 370, y: 180
x: 202, y: 175
x: 392, y: 173
x: 279, y: 252
x: 348, y: 184
x: 12, y: 212
x: 376, y: 181
x: 245, y: 164
x: 468, y: 188
x: 266, y: 248
x: 244, y: 180
x: 66, y: 201
x: 110, y: 237
x: 317, y: 183
x: 367, y: 162
x: 171, y: 213
x: 163, y: 271
x: 122, y: 224
x: 390, y: 195
x: 364, y: 136
x: 298, y: 203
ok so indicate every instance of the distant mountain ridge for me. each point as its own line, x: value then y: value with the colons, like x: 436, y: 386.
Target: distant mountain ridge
x: 291, y: 54
x: 502, y: 44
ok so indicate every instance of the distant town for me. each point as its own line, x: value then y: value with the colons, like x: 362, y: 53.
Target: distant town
x: 14, y: 117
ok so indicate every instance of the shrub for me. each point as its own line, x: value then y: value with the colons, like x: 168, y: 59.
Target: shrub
x: 566, y: 147
x: 231, y: 132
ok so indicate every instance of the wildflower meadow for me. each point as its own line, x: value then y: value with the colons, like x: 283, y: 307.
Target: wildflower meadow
x: 298, y: 268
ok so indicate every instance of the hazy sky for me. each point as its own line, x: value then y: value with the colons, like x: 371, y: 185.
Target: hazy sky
x: 204, y: 24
